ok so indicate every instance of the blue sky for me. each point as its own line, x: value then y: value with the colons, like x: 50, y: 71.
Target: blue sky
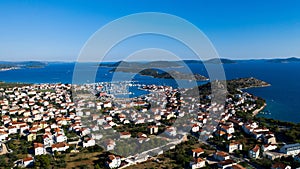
x: 57, y: 29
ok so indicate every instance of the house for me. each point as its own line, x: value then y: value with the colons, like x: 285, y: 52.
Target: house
x: 270, y: 139
x: 60, y: 138
x: 273, y: 155
x: 220, y: 133
x: 152, y: 129
x: 221, y: 156
x: 254, y: 152
x: 12, y: 130
x: 142, y: 137
x: 280, y: 166
x: 107, y: 104
x: 197, y: 152
x: 110, y: 144
x: 228, y: 136
x: 227, y: 129
x: 233, y: 145
x: 63, y: 146
x: 88, y: 142
x: 195, y: 128
x: 31, y: 137
x: 27, y: 162
x: 170, y: 131
x: 113, y: 161
x: 226, y: 164
x: 268, y: 147
x: 197, y: 163
x: 39, y: 149
x: 3, y: 135
x: 125, y: 135
x: 48, y: 141
x: 290, y: 149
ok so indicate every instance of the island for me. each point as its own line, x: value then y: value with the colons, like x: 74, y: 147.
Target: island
x: 286, y: 60
x: 172, y: 75
x: 219, y: 61
x: 140, y: 65
x: 5, y: 66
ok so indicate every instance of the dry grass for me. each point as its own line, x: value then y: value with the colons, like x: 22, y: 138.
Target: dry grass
x: 74, y: 160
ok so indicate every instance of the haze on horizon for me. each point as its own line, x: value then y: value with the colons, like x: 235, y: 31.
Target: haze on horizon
x: 56, y: 30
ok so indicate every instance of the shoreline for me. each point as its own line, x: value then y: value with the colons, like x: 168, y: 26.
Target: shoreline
x: 256, y: 111
x: 245, y: 88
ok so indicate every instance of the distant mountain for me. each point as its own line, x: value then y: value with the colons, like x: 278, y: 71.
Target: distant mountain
x: 219, y: 61
x: 141, y: 65
x: 285, y: 60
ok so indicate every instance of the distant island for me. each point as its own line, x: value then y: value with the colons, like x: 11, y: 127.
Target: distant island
x: 5, y: 66
x: 156, y: 73
x: 139, y: 65
x: 220, y: 61
x: 286, y: 60
x: 172, y: 75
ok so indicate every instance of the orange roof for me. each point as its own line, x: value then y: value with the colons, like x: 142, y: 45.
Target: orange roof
x: 27, y: 159
x: 36, y: 145
x: 222, y: 153
x: 256, y: 148
x: 198, y: 150
x: 124, y: 133
x: 58, y: 145
x: 198, y: 160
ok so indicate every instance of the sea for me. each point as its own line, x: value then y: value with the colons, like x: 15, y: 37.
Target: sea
x: 282, y: 97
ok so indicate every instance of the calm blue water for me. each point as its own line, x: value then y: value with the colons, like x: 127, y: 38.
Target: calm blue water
x: 283, y: 97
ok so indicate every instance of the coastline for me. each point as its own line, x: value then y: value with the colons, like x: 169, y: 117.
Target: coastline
x: 267, y: 85
x: 255, y: 112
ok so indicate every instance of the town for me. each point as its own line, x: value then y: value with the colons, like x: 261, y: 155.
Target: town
x: 40, y: 122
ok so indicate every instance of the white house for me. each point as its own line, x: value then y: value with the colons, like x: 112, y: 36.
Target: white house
x: 197, y: 163
x: 171, y: 131
x: 110, y: 144
x: 39, y: 149
x: 3, y: 135
x: 113, y: 161
x: 221, y: 156
x: 48, y: 141
x: 26, y: 162
x: 125, y: 135
x: 88, y: 142
x: 153, y: 129
x: 290, y: 149
x: 254, y: 153
x: 226, y: 164
x: 60, y: 138
x: 197, y: 152
x: 60, y: 147
x: 231, y: 147
x: 268, y: 147
x: 12, y: 130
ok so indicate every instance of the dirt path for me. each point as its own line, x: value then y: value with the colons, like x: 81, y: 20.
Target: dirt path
x: 4, y: 149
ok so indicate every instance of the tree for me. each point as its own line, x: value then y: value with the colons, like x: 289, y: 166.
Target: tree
x: 43, y: 161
